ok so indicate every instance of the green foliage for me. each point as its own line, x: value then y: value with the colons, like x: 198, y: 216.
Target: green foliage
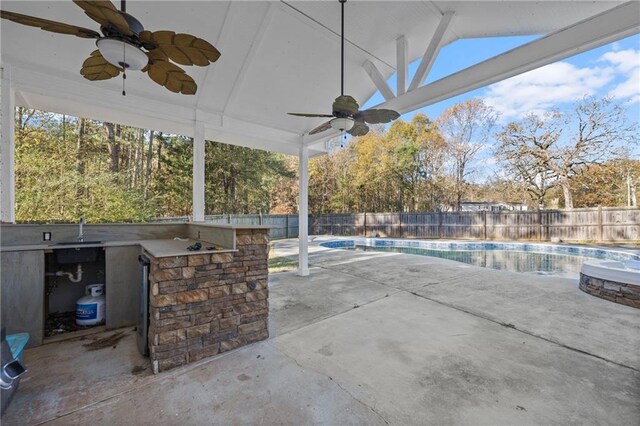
x: 242, y: 180
x: 50, y: 188
x: 400, y: 170
x: 613, y: 183
x: 68, y: 167
x: 173, y: 179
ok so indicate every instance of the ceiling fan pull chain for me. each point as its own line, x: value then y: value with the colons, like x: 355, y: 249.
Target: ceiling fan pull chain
x: 124, y: 63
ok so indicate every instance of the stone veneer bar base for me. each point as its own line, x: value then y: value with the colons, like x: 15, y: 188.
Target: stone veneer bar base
x: 625, y: 294
x: 204, y: 304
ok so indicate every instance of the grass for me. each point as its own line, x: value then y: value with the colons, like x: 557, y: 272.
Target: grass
x: 282, y: 264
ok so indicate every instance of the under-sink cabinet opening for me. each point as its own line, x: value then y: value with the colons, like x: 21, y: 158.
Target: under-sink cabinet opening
x: 74, y: 292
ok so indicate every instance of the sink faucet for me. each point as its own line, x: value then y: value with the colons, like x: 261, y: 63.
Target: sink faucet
x: 80, y: 231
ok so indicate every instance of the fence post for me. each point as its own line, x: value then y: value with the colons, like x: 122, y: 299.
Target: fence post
x: 548, y: 232
x: 600, y: 224
x: 286, y: 227
x: 440, y: 235
x: 229, y: 218
x: 484, y: 227
x: 365, y: 225
x: 400, y: 223
x: 539, y: 224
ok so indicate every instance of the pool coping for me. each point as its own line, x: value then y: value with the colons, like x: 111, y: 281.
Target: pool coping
x: 474, y: 245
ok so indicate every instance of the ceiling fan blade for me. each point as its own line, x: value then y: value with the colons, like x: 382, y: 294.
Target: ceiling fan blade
x: 171, y: 76
x: 359, y: 129
x: 301, y: 114
x: 183, y: 49
x: 95, y: 67
x: 375, y: 116
x: 156, y: 55
x: 47, y: 25
x: 321, y: 128
x: 345, y: 104
x: 105, y: 13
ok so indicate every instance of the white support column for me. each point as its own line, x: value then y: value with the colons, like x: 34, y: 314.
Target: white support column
x: 378, y: 80
x: 7, y: 148
x: 402, y: 56
x: 303, y: 213
x: 198, y: 172
x: 431, y: 53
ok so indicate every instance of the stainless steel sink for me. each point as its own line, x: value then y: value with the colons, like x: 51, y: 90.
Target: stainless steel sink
x: 76, y: 251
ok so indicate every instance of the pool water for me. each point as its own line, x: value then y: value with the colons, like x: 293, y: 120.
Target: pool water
x: 514, y: 261
x: 532, y: 258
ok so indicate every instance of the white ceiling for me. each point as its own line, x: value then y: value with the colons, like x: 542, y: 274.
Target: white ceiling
x: 276, y: 57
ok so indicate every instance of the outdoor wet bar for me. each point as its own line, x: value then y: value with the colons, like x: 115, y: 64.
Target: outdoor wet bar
x: 204, y: 304
x: 191, y: 290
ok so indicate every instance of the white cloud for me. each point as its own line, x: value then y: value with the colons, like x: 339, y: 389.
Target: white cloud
x: 626, y: 63
x: 624, y: 60
x: 544, y: 88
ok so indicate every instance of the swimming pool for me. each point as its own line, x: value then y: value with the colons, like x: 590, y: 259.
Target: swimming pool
x: 541, y: 259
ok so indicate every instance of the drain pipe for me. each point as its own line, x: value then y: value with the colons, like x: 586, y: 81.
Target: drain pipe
x: 69, y: 275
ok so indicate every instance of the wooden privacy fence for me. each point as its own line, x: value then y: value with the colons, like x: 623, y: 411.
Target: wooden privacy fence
x: 598, y: 224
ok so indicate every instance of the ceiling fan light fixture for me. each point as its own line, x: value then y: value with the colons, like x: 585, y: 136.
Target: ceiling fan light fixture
x: 122, y: 54
x: 342, y: 124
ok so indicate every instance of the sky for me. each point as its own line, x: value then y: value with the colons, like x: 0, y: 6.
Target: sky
x: 613, y: 69
x: 610, y: 70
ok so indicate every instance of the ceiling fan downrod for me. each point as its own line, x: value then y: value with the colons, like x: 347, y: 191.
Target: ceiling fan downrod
x: 342, y: 2
x: 346, y: 115
x: 123, y: 6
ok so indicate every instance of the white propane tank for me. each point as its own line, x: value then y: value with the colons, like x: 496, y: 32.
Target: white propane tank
x: 90, y: 309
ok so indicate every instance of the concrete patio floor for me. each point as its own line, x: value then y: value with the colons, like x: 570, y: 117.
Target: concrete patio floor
x: 371, y: 338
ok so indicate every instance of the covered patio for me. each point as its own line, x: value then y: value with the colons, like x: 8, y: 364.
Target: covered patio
x: 429, y: 341
x: 283, y: 56
x: 354, y: 338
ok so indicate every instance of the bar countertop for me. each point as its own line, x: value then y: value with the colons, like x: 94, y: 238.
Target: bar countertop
x: 156, y: 248
x: 178, y: 247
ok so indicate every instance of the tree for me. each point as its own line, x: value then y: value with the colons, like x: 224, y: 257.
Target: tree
x: 564, y: 145
x: 242, y: 180
x: 114, y: 148
x: 148, y: 164
x: 60, y: 177
x: 466, y: 127
x: 521, y: 150
x: 417, y: 153
x: 323, y: 183
x: 401, y: 169
x: 67, y: 167
x: 284, y: 196
x: 611, y: 183
x: 497, y: 189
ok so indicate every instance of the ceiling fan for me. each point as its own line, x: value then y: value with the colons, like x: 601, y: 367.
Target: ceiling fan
x: 125, y: 45
x: 346, y: 116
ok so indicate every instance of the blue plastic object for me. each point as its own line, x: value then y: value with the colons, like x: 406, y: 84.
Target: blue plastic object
x: 17, y: 342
